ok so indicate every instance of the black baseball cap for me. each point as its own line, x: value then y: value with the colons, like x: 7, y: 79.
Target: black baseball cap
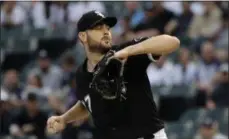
x: 93, y: 18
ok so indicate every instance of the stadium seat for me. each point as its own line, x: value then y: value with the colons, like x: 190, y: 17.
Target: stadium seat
x: 195, y: 115
x: 172, y: 91
x: 117, y: 10
x: 225, y: 115
x: 59, y: 32
x: 16, y: 61
x: 38, y: 33
x: 221, y: 116
x: 173, y: 130
x: 6, y: 137
x: 21, y: 45
x: 173, y: 97
x: 17, y: 32
x: 189, y: 129
x: 180, y: 91
x: 180, y: 130
x: 223, y: 128
x: 55, y: 47
x: 2, y: 44
x: 216, y: 114
x: 158, y: 89
x: 3, y: 35
x: 192, y: 119
x: 223, y: 122
x: 26, y: 69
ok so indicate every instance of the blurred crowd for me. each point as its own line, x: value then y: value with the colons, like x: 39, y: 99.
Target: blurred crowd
x: 201, y: 62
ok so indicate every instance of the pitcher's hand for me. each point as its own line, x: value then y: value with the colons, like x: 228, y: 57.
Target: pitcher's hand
x: 55, y: 124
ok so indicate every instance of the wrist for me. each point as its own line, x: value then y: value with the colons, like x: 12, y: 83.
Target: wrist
x: 130, y: 50
x: 64, y: 118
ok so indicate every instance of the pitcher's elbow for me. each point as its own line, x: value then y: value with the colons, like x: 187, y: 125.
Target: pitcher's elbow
x: 173, y: 42
x: 176, y: 42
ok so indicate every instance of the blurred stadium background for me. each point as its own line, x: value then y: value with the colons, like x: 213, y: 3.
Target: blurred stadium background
x: 40, y: 53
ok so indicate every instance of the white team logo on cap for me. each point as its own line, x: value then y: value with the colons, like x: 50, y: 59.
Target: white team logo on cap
x: 100, y: 14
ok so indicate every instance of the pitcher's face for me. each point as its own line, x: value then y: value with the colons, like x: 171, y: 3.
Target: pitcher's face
x: 99, y: 38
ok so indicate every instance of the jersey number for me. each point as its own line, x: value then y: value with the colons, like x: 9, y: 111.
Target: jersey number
x: 87, y: 100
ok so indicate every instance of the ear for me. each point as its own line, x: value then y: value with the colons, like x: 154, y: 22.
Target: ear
x: 82, y: 36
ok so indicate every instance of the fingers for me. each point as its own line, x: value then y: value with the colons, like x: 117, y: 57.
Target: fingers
x: 54, y: 128
x: 51, y: 125
x: 54, y: 125
x: 51, y: 130
x: 50, y: 121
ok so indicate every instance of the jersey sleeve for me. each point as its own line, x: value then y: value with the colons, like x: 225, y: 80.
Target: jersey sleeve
x: 140, y: 61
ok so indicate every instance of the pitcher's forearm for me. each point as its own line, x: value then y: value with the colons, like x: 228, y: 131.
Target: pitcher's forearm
x: 159, y: 45
x: 77, y: 112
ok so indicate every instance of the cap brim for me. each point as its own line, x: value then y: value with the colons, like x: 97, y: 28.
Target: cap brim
x: 110, y: 21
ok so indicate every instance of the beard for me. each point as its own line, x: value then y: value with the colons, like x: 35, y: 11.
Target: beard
x: 99, y: 47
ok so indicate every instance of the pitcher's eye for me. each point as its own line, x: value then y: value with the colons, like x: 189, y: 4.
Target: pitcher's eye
x: 98, y: 27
